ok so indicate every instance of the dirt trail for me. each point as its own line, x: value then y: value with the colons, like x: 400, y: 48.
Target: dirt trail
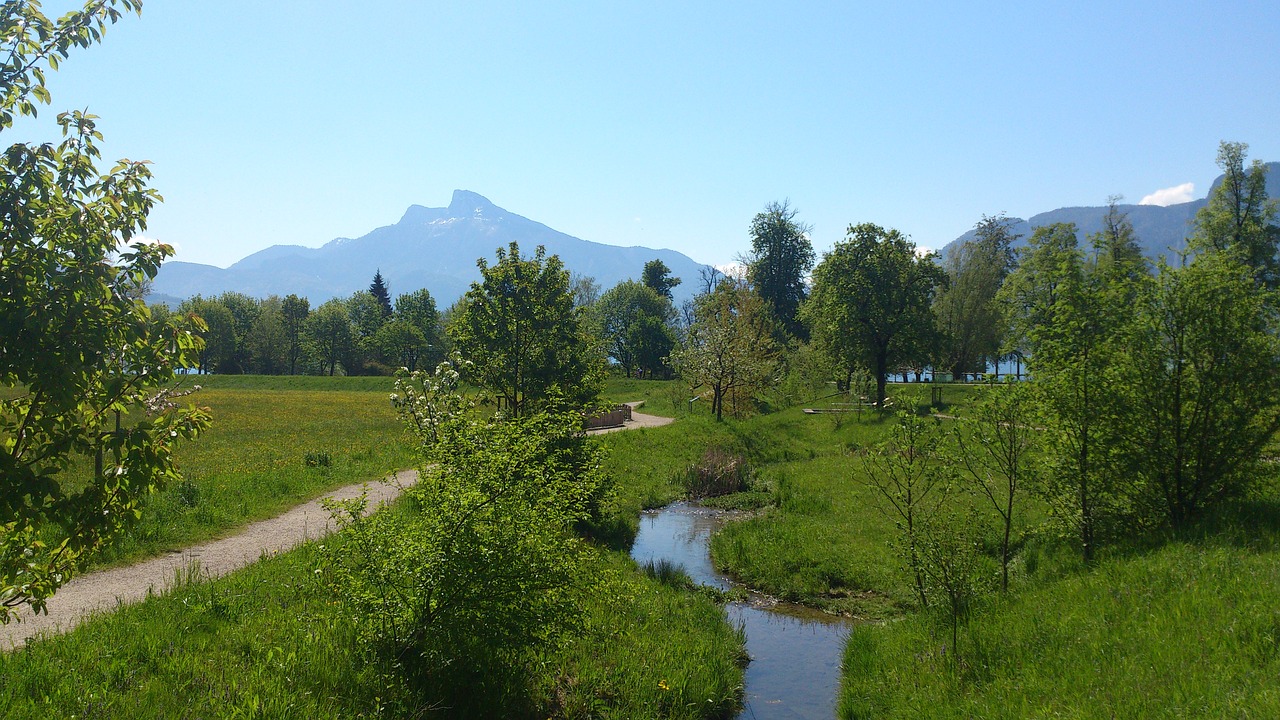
x: 107, y: 589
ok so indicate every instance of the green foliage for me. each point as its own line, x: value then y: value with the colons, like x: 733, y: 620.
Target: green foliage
x: 781, y: 258
x: 378, y: 289
x: 294, y: 312
x: 657, y: 277
x: 329, y: 335
x: 635, y: 323
x: 1201, y: 388
x: 729, y: 347
x: 871, y: 303
x: 997, y: 452
x: 968, y: 314
x: 1239, y: 216
x: 467, y: 588
x: 521, y: 335
x: 81, y: 349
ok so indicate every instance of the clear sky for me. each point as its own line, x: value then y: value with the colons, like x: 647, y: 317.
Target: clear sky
x: 666, y: 124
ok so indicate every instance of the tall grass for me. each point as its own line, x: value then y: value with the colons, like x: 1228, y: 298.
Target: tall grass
x: 271, y: 641
x: 1183, y: 631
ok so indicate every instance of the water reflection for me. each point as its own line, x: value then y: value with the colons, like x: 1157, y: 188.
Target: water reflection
x: 795, y: 652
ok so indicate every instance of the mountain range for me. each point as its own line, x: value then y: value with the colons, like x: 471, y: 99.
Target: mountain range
x: 1160, y: 230
x: 433, y: 248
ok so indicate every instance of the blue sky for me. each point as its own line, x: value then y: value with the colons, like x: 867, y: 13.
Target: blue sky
x: 665, y: 124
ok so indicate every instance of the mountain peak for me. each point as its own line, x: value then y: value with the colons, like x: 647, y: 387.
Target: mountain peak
x: 467, y: 204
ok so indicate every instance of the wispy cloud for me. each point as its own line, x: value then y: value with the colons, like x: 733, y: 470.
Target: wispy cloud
x: 1171, y: 195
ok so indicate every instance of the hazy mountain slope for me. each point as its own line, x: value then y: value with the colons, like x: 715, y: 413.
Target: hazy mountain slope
x: 1160, y: 230
x: 435, y: 248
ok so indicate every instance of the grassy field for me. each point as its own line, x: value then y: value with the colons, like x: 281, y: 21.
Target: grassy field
x: 253, y: 463
x: 274, y: 641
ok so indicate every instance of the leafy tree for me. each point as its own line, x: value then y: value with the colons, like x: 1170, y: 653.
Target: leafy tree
x: 635, y: 323
x: 585, y: 289
x: 729, y: 346
x: 244, y: 313
x: 216, y: 331
x: 1201, y: 387
x: 1116, y: 252
x: 329, y: 334
x: 267, y: 343
x: 84, y: 366
x: 968, y: 315
x: 781, y: 258
x: 418, y: 309
x: 1070, y: 318
x: 401, y: 343
x: 521, y: 335
x: 378, y: 289
x: 465, y: 587
x: 658, y: 276
x: 365, y: 313
x: 871, y: 302
x: 294, y: 312
x: 1239, y: 216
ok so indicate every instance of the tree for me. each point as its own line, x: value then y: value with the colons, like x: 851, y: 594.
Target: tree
x: 216, y: 330
x: 635, y: 323
x: 904, y: 474
x: 1201, y: 387
x: 871, y: 302
x: 729, y: 346
x: 294, y: 311
x: 266, y: 342
x: 585, y: 290
x: 521, y: 334
x: 365, y: 313
x: 85, y: 367
x: 418, y: 309
x: 781, y: 258
x: 1069, y: 316
x: 1239, y: 216
x: 968, y: 315
x: 658, y: 276
x: 329, y: 334
x: 244, y: 313
x: 401, y: 343
x: 998, y: 455
x: 378, y: 289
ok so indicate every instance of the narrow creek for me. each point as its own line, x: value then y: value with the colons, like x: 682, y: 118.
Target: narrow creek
x: 795, y: 651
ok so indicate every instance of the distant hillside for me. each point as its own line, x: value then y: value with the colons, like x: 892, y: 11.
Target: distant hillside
x: 435, y: 248
x: 1160, y: 230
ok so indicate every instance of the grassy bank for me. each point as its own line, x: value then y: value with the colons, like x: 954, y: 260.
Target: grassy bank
x: 271, y: 641
x: 1184, y: 631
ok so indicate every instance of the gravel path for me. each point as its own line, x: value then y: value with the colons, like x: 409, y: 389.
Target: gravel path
x: 107, y: 589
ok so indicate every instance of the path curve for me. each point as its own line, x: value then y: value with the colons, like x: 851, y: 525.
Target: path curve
x: 106, y: 590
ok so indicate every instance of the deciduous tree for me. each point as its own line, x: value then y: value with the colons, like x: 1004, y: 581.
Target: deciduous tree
x: 780, y: 261
x: 871, y: 303
x: 730, y: 345
x: 658, y: 276
x: 634, y: 322
x: 84, y: 367
x: 520, y: 333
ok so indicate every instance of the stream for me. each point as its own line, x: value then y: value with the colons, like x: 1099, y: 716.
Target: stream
x: 795, y: 651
